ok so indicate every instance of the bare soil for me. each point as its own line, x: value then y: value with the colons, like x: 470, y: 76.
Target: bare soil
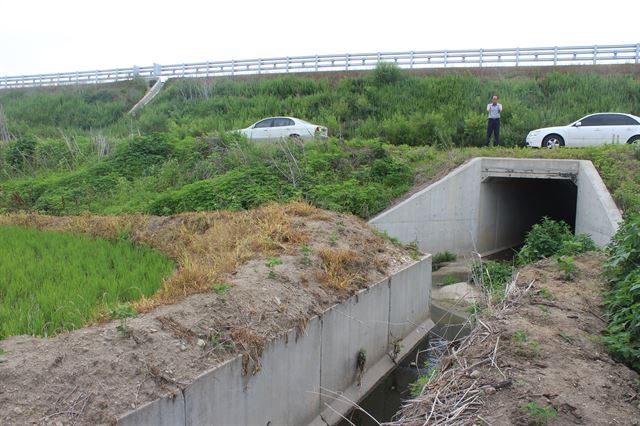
x: 94, y: 375
x: 535, y: 359
x: 562, y: 363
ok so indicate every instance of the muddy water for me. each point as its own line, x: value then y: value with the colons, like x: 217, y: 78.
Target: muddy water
x: 386, y: 398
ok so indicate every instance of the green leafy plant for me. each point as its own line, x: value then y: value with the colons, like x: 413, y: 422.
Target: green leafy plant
x: 386, y: 236
x: 520, y: 336
x: 416, y: 388
x: 440, y: 258
x: 539, y: 414
x: 622, y: 300
x: 306, y: 255
x: 221, y: 289
x: 123, y: 312
x: 545, y: 293
x: 567, y: 338
x: 546, y: 314
x: 493, y: 276
x: 549, y: 238
x: 271, y: 263
x: 449, y: 280
x: 568, y: 267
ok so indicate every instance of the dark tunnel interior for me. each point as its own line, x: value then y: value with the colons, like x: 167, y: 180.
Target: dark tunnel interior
x: 519, y: 203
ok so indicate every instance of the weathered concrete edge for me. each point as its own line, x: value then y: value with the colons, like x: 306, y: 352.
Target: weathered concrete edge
x: 343, y: 401
x: 173, y: 409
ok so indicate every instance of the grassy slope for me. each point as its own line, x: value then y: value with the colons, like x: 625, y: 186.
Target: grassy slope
x: 52, y: 282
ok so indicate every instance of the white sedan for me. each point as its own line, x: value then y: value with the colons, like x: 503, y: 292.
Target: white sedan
x: 594, y: 129
x: 284, y: 127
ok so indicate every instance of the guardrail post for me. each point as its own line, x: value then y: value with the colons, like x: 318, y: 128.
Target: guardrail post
x: 412, y: 59
x: 481, y: 57
x: 595, y: 54
x: 637, y: 53
x: 446, y: 58
x: 347, y: 66
x: 555, y: 56
x: 288, y: 60
x: 233, y: 67
x: 260, y: 66
x: 316, y: 67
x: 77, y: 77
x: 208, y: 68
x: 517, y: 56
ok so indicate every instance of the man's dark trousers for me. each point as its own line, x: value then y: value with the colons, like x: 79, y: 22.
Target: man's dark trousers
x: 493, y: 126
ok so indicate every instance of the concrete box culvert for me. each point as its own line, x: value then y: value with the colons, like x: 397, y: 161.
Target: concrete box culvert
x: 308, y: 378
x: 488, y: 204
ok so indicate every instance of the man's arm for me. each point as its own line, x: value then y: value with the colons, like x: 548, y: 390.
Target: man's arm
x: 488, y: 106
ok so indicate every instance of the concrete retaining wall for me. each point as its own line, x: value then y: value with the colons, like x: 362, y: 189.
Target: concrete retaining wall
x: 302, y: 375
x: 482, y: 206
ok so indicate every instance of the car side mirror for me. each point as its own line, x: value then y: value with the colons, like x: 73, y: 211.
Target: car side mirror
x: 578, y: 124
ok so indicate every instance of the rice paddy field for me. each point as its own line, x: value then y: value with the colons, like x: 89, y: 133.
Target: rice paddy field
x: 52, y: 282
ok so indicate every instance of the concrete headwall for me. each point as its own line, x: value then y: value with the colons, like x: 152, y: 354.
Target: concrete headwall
x: 443, y: 216
x: 302, y: 375
x: 488, y: 205
x: 597, y: 213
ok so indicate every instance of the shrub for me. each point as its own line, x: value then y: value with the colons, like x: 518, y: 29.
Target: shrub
x: 622, y: 301
x: 386, y: 73
x: 550, y: 237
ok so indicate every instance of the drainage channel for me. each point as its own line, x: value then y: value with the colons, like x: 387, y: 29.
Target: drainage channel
x: 386, y: 398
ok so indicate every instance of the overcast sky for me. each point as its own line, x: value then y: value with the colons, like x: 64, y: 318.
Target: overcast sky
x: 40, y: 36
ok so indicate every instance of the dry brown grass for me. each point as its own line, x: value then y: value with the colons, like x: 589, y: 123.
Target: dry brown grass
x: 342, y: 268
x: 205, y: 246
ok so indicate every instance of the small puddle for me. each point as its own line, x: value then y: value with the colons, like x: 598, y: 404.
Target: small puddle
x: 387, y: 397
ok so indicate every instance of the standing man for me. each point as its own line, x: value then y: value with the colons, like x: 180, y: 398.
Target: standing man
x: 493, y: 125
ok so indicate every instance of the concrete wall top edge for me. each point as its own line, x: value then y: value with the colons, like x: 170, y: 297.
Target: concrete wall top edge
x: 359, y: 292
x: 461, y: 168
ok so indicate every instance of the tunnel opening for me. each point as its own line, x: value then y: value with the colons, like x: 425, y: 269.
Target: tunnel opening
x: 513, y: 205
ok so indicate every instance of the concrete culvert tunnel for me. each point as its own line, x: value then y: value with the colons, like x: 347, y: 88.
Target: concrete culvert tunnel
x: 489, y: 204
x: 511, y: 206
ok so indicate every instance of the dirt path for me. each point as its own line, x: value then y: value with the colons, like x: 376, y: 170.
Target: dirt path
x: 93, y: 375
x: 540, y: 361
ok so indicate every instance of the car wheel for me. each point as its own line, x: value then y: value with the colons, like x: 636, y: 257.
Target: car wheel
x: 552, y: 141
x: 634, y: 139
x: 295, y: 138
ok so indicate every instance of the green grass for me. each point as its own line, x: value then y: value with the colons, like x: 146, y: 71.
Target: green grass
x: 52, y: 282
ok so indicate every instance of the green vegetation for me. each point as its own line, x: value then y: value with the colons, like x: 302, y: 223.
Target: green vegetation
x: 493, y: 276
x: 74, y: 149
x: 567, y: 264
x: 122, y: 312
x: 540, y: 415
x: 440, y: 258
x: 416, y: 388
x: 622, y: 301
x: 549, y: 238
x: 52, y: 282
x: 449, y: 280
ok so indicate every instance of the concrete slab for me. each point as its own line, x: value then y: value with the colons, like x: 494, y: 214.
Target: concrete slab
x: 457, y: 272
x: 489, y: 204
x: 287, y: 390
x: 410, y: 298
x: 169, y: 411
x: 360, y: 323
x: 218, y: 397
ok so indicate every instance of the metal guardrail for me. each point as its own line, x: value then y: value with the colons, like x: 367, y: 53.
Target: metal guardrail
x: 590, y: 55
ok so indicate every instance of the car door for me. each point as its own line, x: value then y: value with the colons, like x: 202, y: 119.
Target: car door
x: 622, y: 127
x: 591, y: 130
x: 282, y: 127
x: 262, y: 129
